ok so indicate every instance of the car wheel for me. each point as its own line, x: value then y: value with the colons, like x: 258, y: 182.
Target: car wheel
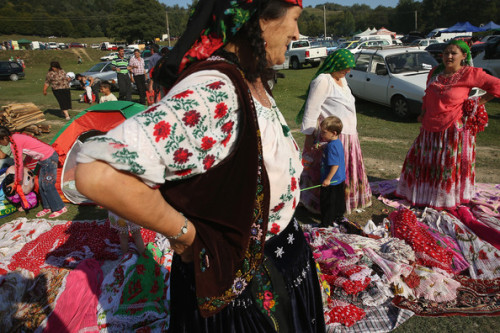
x: 315, y: 64
x: 14, y: 77
x: 296, y: 64
x: 400, y: 107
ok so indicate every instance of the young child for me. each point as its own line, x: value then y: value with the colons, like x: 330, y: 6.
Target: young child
x: 48, y: 160
x: 124, y: 227
x: 332, y: 195
x: 106, y: 92
x: 86, y: 84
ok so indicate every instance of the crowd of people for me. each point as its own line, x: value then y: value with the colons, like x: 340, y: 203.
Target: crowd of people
x: 226, y: 196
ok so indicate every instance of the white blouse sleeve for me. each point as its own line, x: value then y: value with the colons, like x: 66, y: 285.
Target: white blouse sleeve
x: 189, y: 131
x: 318, y: 93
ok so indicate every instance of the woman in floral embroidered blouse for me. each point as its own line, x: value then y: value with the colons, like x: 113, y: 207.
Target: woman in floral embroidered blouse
x: 227, y: 167
x: 439, y: 169
x: 57, y: 79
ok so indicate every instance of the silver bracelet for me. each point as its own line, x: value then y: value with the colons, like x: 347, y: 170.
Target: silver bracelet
x: 183, y: 231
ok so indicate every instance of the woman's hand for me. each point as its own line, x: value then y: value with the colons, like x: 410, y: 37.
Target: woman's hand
x: 183, y: 245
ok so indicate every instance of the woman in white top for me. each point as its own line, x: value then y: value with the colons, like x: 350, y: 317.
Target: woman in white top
x: 214, y: 168
x: 329, y: 95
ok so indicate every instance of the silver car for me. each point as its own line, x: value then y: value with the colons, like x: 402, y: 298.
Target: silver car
x: 102, y: 71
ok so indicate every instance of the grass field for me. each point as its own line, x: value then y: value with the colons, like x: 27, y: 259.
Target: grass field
x: 384, y: 141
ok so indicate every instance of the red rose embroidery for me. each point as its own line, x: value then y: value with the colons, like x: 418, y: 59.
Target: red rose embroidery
x: 152, y: 109
x: 183, y: 94
x: 278, y: 207
x: 275, y: 229
x: 183, y: 173
x: 208, y: 161
x: 191, y: 118
x: 226, y: 140
x: 162, y: 130
x: 216, y: 85
x: 293, y: 186
x: 207, y: 143
x: 227, y: 127
x: 220, y: 110
x: 483, y: 255
x: 294, y: 203
x: 182, y: 155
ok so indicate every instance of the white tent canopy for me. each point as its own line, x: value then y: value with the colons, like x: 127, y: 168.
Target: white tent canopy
x: 367, y: 32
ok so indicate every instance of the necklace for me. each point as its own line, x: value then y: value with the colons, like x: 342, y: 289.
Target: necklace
x: 264, y: 101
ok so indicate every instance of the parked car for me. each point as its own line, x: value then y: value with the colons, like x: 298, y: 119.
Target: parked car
x: 11, y: 70
x: 62, y: 46
x: 75, y: 44
x: 109, y: 57
x: 330, y: 45
x: 301, y: 53
x: 52, y: 45
x: 424, y: 42
x: 436, y: 50
x: 408, y: 39
x: 357, y: 46
x: 345, y: 45
x: 95, y: 46
x: 489, y: 59
x: 393, y: 76
x: 102, y: 71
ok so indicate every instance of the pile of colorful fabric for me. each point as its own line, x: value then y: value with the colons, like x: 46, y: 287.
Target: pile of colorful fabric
x: 56, y: 274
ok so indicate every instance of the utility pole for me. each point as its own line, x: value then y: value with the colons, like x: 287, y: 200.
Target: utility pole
x: 168, y: 29
x: 324, y: 20
x: 416, y: 28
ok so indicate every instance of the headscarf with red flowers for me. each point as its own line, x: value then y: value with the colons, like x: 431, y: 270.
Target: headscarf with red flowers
x: 211, y: 24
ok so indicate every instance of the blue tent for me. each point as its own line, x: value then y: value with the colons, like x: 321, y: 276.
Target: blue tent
x: 490, y: 26
x: 463, y: 27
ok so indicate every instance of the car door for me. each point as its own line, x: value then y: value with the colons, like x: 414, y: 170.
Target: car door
x: 357, y: 76
x: 376, y: 84
x: 4, y: 68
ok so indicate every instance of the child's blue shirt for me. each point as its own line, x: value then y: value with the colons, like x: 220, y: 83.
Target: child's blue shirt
x: 333, y: 154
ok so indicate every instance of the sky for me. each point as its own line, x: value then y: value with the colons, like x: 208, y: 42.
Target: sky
x: 371, y: 3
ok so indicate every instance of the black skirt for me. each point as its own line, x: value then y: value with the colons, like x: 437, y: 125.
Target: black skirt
x: 284, y: 296
x: 63, y: 97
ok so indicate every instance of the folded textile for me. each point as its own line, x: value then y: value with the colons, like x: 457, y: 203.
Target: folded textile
x: 75, y: 310
x: 491, y: 235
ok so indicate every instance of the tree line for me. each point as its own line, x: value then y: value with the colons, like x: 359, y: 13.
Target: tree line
x: 144, y: 20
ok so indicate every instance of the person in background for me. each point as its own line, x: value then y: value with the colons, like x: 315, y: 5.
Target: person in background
x: 80, y: 61
x: 154, y: 87
x: 124, y: 227
x: 136, y: 64
x: 219, y: 180
x: 57, y: 79
x: 48, y: 160
x: 88, y: 84
x: 121, y: 66
x: 329, y: 95
x: 439, y: 169
x: 155, y: 56
x: 107, y: 96
x: 332, y: 195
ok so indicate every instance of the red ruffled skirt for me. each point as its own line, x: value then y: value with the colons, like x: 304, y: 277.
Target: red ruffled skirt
x: 439, y: 169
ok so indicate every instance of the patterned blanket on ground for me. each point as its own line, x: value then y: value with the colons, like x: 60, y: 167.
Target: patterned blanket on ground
x: 71, y: 274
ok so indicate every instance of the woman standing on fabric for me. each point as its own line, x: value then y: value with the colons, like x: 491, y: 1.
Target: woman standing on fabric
x: 57, y: 79
x: 214, y: 168
x: 329, y: 95
x: 439, y: 169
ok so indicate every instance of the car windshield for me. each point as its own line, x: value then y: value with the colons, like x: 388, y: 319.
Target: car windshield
x: 98, y: 67
x: 353, y: 45
x: 410, y: 62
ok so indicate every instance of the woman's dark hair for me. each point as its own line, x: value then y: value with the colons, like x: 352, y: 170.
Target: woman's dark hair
x: 54, y: 64
x: 250, y: 44
x: 4, y: 132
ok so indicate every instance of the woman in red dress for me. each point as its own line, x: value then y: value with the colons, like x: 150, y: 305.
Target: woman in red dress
x: 439, y: 169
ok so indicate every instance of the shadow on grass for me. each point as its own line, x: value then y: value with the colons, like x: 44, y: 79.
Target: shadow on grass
x: 54, y: 112
x: 90, y: 212
x: 381, y: 112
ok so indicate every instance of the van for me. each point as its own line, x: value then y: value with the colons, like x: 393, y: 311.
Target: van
x: 443, y: 37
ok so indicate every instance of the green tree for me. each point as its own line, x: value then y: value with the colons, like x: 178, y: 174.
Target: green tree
x: 347, y: 26
x: 137, y: 20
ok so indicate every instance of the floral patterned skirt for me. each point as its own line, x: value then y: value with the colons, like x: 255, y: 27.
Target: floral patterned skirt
x: 357, y: 189
x: 439, y: 169
x: 283, y: 296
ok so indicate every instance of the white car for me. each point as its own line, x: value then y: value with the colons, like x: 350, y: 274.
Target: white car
x: 357, y: 46
x: 394, y: 76
x: 424, y: 42
x: 489, y: 59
